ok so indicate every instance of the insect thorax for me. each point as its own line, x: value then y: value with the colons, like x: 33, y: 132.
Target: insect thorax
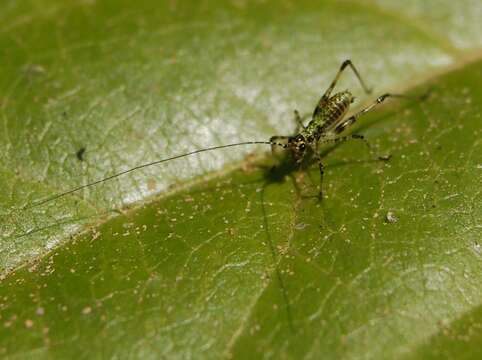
x: 327, y: 113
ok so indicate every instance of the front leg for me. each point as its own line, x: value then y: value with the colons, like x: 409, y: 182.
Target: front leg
x: 299, y: 121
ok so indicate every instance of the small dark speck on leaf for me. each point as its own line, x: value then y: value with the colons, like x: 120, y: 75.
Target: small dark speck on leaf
x: 80, y: 154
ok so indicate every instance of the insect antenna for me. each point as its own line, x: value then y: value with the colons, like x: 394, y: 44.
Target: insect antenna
x: 74, y: 190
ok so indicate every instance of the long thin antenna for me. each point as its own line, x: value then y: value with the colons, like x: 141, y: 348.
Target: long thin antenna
x: 55, y: 197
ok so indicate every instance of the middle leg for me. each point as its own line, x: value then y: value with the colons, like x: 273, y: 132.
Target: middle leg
x: 342, y: 139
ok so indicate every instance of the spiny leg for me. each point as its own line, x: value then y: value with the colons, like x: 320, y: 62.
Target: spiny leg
x: 299, y: 121
x: 345, y: 138
x: 335, y: 140
x: 343, y: 66
x: 356, y: 137
x: 326, y: 96
x: 340, y: 140
x: 352, y: 119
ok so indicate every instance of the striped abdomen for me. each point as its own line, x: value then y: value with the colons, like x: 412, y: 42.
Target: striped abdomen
x: 328, y: 113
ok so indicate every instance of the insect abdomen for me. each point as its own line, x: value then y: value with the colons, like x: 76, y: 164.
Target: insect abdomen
x: 336, y: 107
x: 327, y: 114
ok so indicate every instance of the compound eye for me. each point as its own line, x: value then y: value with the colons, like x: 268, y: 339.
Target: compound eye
x: 302, y: 146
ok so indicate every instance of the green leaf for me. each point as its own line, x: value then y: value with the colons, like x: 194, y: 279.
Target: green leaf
x: 241, y: 262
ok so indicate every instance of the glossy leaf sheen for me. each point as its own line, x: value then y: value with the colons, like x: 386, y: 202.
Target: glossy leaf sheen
x: 246, y: 262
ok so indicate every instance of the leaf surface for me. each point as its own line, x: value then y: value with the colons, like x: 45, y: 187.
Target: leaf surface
x: 244, y: 261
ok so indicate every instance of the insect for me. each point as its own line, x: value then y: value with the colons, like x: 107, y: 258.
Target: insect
x: 326, y: 126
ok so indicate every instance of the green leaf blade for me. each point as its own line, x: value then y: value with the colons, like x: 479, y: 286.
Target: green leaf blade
x: 243, y: 262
